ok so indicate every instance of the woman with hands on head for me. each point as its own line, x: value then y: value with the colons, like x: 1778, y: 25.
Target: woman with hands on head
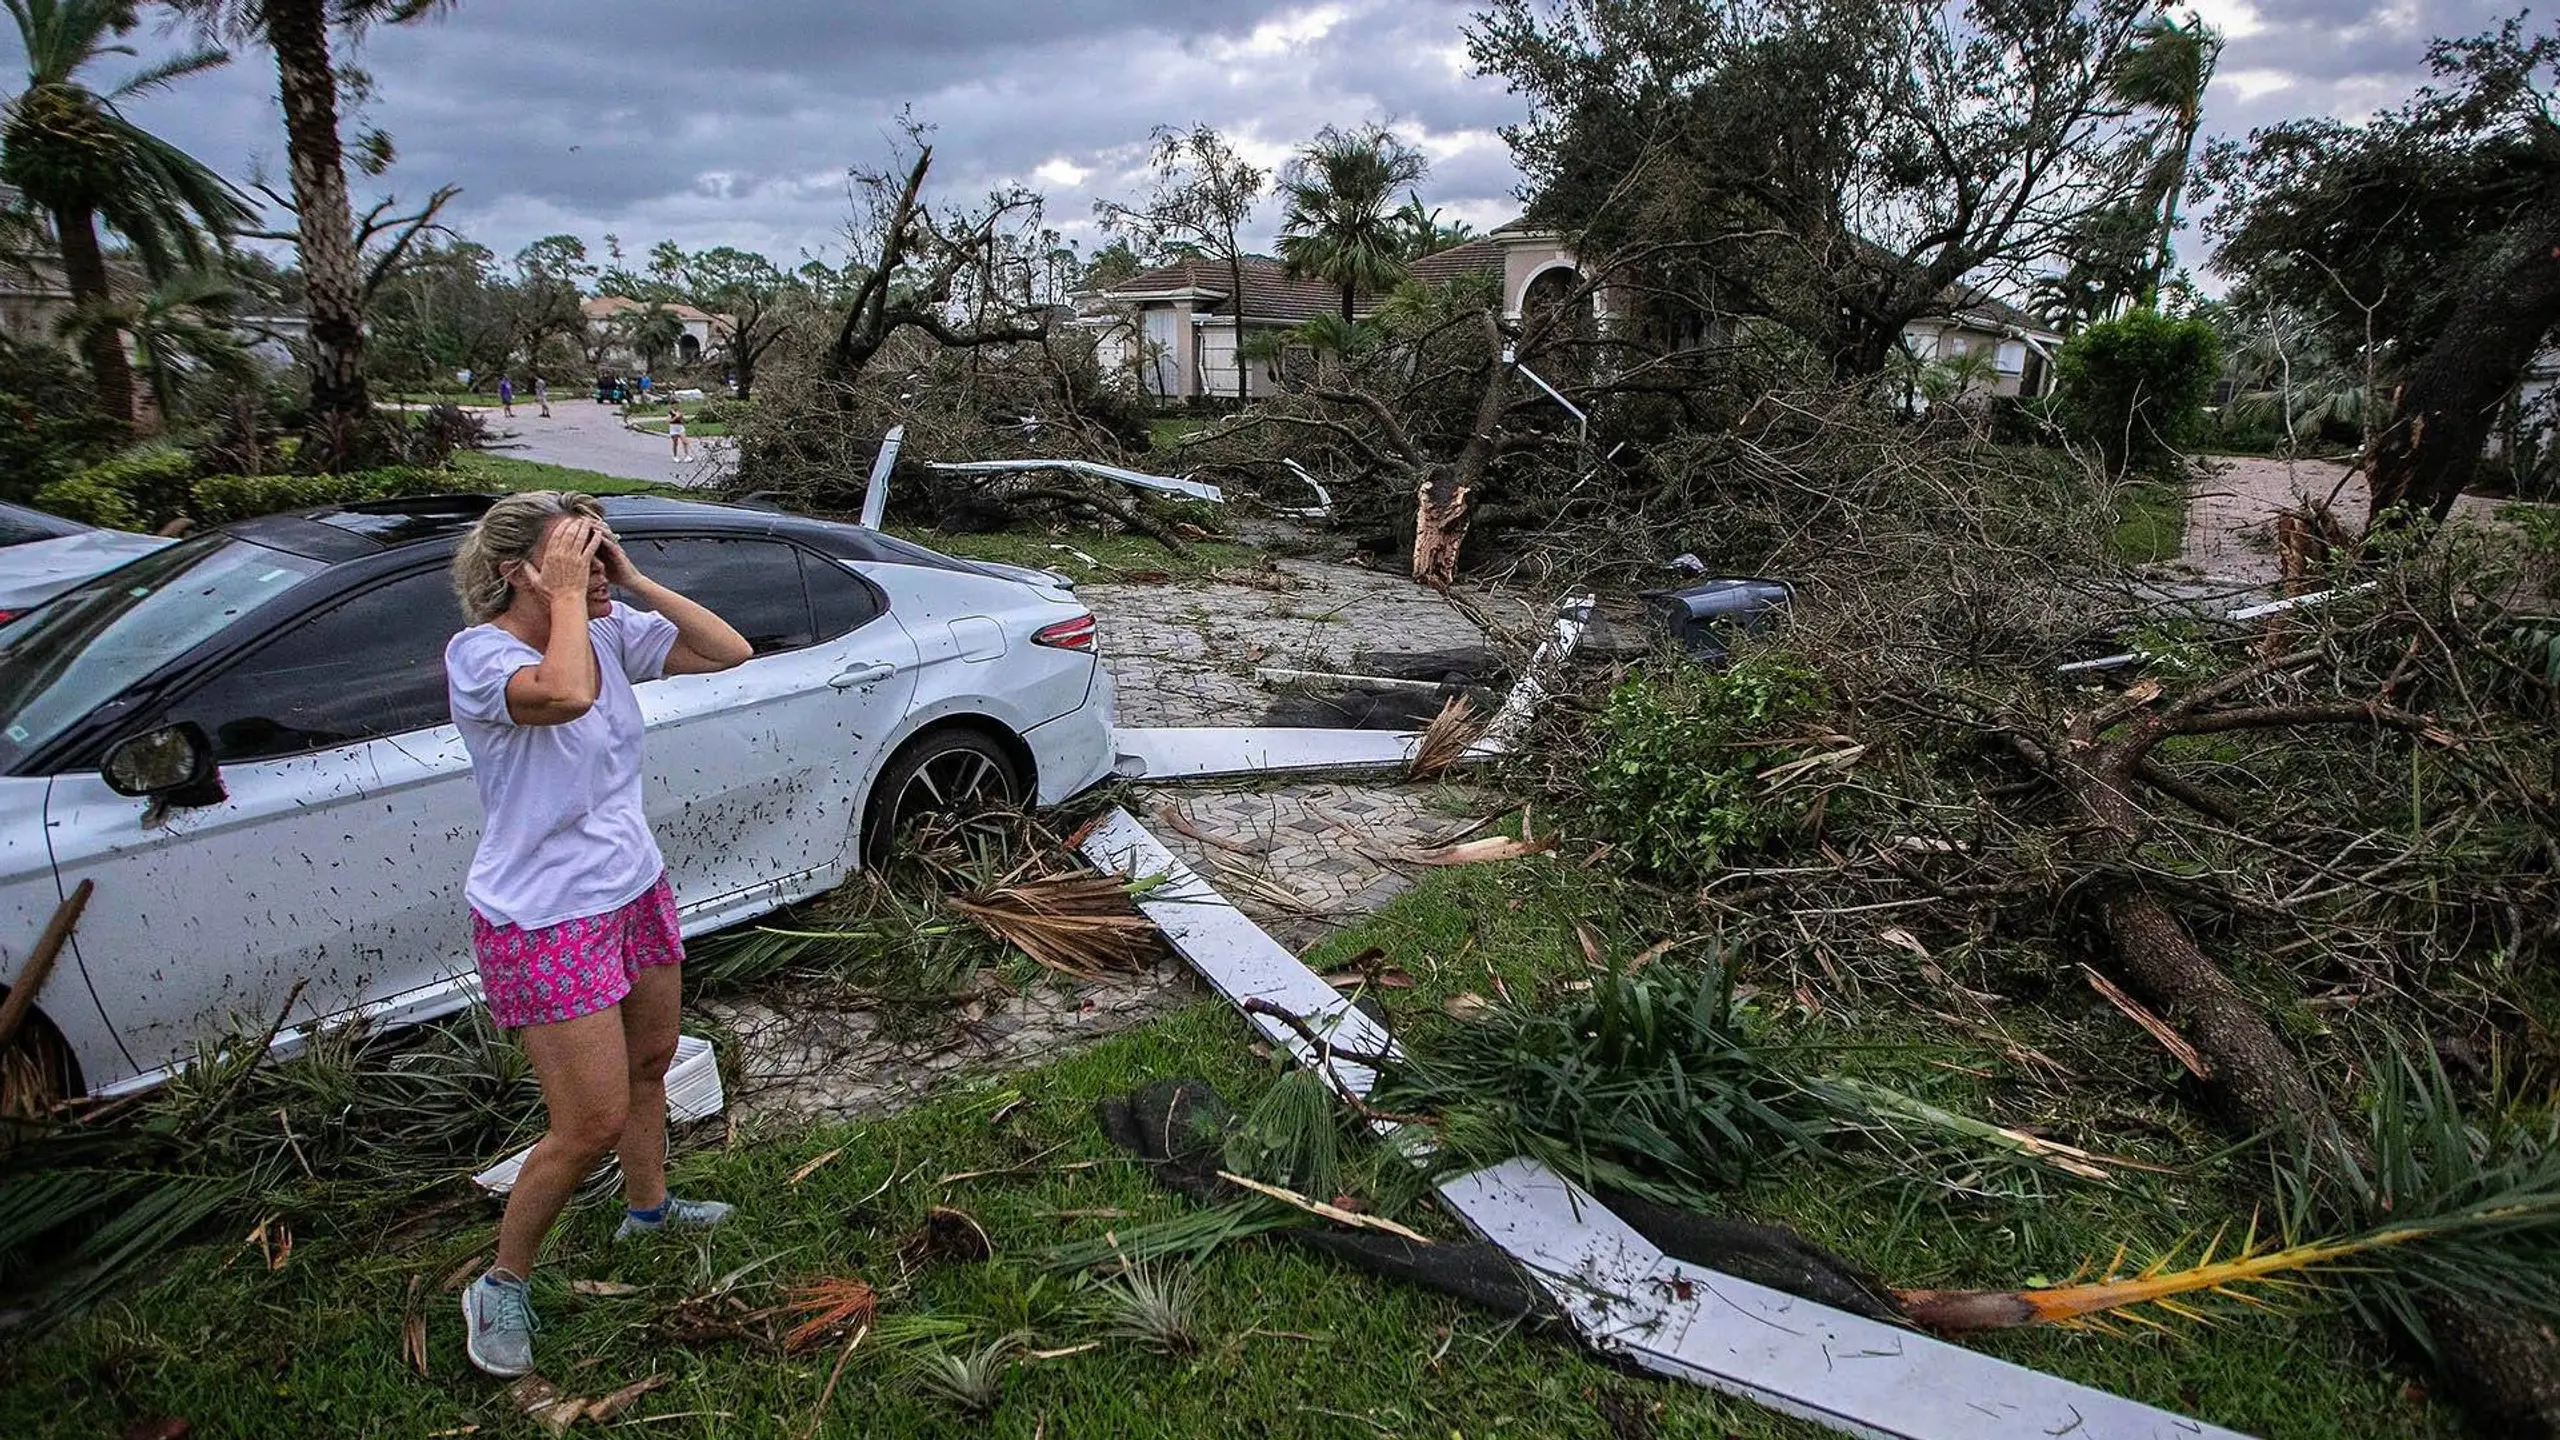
x: 573, y: 922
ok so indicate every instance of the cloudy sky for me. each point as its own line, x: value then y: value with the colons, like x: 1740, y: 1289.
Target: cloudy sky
x: 733, y: 122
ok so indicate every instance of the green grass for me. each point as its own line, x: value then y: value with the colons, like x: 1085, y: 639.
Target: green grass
x: 1120, y: 555
x: 480, y: 470
x: 1299, y: 1344
x: 1167, y: 434
x: 2151, y: 526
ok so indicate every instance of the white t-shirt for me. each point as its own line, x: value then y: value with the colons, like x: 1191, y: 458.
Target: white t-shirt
x: 565, y: 836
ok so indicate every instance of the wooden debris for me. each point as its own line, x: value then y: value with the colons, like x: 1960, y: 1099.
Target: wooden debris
x: 40, y: 961
x: 805, y: 1171
x: 1181, y: 824
x: 1334, y: 1213
x: 2159, y: 1029
x: 826, y: 1307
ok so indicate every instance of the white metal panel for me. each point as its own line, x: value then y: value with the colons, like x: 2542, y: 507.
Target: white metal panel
x: 1179, y: 752
x: 1857, y: 1376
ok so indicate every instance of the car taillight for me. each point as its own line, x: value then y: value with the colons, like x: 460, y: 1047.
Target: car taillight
x: 8, y: 615
x: 1076, y: 634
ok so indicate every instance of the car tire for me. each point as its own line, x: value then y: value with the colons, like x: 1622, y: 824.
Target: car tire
x: 952, y: 772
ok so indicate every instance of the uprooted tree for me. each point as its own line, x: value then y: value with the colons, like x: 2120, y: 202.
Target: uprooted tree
x: 934, y: 271
x: 2426, y: 240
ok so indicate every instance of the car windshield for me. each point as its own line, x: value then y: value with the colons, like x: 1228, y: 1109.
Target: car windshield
x: 89, y: 646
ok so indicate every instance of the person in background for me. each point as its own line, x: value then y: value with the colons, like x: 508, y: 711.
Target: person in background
x: 542, y: 395
x: 507, y: 395
x: 573, y: 921
x: 681, y: 447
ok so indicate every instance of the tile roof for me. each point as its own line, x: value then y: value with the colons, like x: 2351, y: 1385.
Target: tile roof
x: 1271, y: 295
x: 605, y: 307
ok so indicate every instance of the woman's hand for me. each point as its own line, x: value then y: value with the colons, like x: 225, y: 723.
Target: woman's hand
x: 560, y: 568
x: 619, y: 572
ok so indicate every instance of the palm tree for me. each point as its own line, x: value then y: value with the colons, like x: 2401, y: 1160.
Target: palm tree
x: 1342, y: 222
x: 182, y: 331
x: 297, y: 32
x: 70, y: 150
x: 654, y: 332
x: 2166, y: 72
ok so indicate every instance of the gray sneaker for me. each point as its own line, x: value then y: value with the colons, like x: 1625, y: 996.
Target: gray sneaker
x: 676, y: 1214
x: 497, y: 1323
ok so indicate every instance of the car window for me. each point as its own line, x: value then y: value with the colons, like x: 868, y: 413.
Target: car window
x: 839, y: 603
x: 755, y: 585
x: 369, y: 666
x: 92, y: 645
x: 21, y: 527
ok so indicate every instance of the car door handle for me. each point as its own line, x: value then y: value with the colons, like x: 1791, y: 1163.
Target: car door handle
x: 855, y: 677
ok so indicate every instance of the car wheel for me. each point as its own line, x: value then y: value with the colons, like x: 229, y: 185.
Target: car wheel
x: 950, y: 774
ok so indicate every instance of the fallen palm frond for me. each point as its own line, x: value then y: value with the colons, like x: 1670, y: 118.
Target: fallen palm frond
x: 1191, y: 1235
x: 1445, y: 741
x: 1077, y: 924
x: 1893, y: 1105
x: 827, y: 1308
x: 2456, y: 1210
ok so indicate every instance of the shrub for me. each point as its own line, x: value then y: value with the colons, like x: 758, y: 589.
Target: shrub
x: 1676, y: 784
x: 90, y: 501
x: 220, y: 499
x: 155, y: 482
x: 49, y: 426
x: 2136, y: 386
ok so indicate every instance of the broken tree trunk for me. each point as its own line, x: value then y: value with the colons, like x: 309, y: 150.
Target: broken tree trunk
x: 2450, y: 404
x: 1445, y: 500
x: 2506, y: 1369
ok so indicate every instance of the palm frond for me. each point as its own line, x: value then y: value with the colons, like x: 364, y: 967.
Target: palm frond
x: 1076, y: 924
x: 1446, y: 740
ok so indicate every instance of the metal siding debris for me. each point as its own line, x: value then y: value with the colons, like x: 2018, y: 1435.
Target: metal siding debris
x: 1197, y: 490
x: 1856, y: 1376
x: 1198, y: 752
x: 875, y: 495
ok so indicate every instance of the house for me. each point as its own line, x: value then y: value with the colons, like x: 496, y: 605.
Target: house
x: 2019, y: 345
x: 1174, y: 327
x: 609, y: 338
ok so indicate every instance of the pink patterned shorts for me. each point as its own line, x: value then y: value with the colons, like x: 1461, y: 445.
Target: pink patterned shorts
x: 573, y: 969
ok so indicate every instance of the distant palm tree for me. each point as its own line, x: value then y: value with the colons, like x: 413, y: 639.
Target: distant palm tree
x: 183, y: 334
x: 1425, y: 233
x: 654, y: 332
x: 2166, y: 72
x: 297, y: 32
x: 71, y: 152
x: 1341, y: 224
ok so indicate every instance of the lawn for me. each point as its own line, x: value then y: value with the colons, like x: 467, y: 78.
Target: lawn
x: 1118, y: 556
x: 2151, y: 523
x: 482, y: 470
x: 1288, y: 1343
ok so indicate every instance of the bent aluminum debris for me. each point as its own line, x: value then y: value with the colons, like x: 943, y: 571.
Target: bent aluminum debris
x: 1322, y: 509
x: 1196, y: 489
x: 1620, y: 1292
x: 875, y: 495
x: 1199, y: 752
x: 1573, y: 617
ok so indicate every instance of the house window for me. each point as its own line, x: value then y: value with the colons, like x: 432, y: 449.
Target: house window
x: 2013, y: 357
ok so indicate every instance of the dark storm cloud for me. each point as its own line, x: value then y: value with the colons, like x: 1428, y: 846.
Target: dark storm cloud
x: 735, y: 124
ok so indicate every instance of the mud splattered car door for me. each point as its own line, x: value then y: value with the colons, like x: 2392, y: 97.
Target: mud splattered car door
x: 752, y: 772
x: 303, y: 870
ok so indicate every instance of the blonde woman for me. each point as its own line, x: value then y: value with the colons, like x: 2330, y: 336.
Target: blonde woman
x: 572, y: 919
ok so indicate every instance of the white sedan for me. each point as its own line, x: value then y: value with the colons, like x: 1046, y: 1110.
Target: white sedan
x: 243, y: 740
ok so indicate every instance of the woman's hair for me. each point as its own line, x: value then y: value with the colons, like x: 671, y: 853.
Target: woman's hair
x: 506, y: 534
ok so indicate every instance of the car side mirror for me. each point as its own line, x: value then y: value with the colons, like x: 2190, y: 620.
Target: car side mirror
x: 171, y: 763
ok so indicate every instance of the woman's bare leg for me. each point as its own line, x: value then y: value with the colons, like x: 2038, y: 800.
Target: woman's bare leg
x: 585, y: 1076
x: 650, y: 1014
